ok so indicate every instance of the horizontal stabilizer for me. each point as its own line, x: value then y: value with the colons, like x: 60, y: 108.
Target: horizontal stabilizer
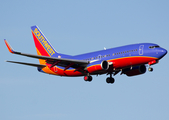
x: 29, y: 64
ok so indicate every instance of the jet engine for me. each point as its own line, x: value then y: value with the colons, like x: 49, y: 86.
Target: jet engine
x: 137, y: 70
x: 94, y: 67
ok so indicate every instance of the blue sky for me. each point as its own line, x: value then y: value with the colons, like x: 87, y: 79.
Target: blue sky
x: 75, y: 27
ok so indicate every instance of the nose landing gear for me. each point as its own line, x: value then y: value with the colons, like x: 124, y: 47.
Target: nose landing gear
x: 150, y: 69
x: 151, y: 63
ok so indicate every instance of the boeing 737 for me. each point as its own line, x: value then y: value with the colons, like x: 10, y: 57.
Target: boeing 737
x: 130, y: 60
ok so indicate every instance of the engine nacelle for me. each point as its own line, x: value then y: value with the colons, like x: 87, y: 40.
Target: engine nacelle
x: 94, y: 67
x: 137, y: 70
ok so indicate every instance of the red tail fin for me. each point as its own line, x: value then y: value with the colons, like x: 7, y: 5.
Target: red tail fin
x: 42, y: 45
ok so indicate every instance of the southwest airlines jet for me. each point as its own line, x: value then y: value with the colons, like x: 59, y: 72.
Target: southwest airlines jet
x: 130, y: 60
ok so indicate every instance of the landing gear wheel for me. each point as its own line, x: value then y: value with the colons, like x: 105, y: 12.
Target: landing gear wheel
x: 88, y: 78
x: 150, y: 69
x: 110, y: 80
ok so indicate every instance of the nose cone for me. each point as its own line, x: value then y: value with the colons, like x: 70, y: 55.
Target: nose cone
x: 163, y: 52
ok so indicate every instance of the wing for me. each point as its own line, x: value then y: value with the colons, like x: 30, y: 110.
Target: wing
x: 29, y: 64
x: 64, y: 62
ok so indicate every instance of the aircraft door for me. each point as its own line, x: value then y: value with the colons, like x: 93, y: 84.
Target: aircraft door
x: 141, y: 47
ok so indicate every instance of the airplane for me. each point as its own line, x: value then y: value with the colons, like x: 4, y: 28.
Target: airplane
x: 130, y: 60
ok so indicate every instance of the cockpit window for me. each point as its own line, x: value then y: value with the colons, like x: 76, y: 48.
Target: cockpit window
x: 152, y: 47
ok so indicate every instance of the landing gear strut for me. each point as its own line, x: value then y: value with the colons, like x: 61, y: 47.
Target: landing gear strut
x: 110, y: 79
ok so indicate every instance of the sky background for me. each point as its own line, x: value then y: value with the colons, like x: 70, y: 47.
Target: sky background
x: 74, y: 27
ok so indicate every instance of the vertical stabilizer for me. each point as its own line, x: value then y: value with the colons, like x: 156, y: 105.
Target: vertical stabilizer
x: 43, y: 47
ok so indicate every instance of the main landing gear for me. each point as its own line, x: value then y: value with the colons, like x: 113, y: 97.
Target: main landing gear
x: 88, y: 78
x: 110, y: 79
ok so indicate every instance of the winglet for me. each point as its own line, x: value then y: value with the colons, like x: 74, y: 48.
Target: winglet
x: 9, y: 47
